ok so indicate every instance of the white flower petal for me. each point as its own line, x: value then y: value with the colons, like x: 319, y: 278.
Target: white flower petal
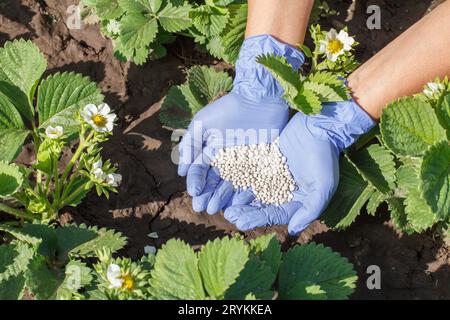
x: 104, y: 109
x: 91, y: 109
x: 153, y: 235
x: 332, y: 34
x: 98, y: 164
x: 114, y: 179
x: 323, y: 46
x: 54, y: 132
x: 150, y: 250
x: 111, y: 117
x: 109, y: 127
x: 114, y: 276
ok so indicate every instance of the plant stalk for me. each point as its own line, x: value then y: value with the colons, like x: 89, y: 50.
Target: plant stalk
x: 15, y: 212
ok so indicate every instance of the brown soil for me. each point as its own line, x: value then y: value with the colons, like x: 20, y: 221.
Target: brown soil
x: 153, y: 197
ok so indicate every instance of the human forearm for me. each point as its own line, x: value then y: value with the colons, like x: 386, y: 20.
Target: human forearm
x: 403, y: 67
x: 286, y: 20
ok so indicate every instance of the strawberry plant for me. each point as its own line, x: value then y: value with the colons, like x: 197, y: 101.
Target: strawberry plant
x: 332, y: 57
x: 203, y: 86
x: 139, y: 29
x: 48, y: 262
x: 56, y: 114
x: 234, y: 269
x: 407, y: 166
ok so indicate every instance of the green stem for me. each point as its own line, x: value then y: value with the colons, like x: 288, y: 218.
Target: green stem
x: 69, y: 167
x: 15, y: 212
x: 72, y: 196
x: 184, y: 34
x: 69, y: 185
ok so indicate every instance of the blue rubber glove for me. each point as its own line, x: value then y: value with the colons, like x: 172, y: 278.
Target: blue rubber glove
x: 254, y: 110
x: 312, y: 145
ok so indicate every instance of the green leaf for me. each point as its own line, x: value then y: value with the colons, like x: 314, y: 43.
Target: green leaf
x: 12, y: 289
x: 135, y: 6
x: 443, y: 113
x: 398, y: 215
x: 22, y: 235
x: 376, y: 199
x: 325, y: 92
x: 376, y: 164
x: 435, y: 179
x: 313, y: 271
x: 283, y: 72
x: 106, y: 239
x: 175, y: 274
x: 14, y: 259
x: 307, y: 102
x: 42, y: 236
x: 351, y: 195
x: 407, y: 179
x: 256, y: 278
x: 260, y: 271
x: 41, y: 281
x: 17, y: 98
x: 409, y: 126
x: 62, y: 95
x: 220, y: 263
x: 76, y: 276
x: 203, y: 86
x: 11, y: 143
x: 174, y: 18
x: 48, y: 150
x: 10, y: 118
x: 105, y: 9
x: 77, y: 183
x: 12, y: 130
x: 215, y: 47
x: 268, y: 249
x: 418, y: 213
x: 206, y: 85
x: 137, y: 31
x: 11, y: 179
x: 306, y: 50
x: 70, y: 237
x: 210, y: 20
x: 22, y: 65
x: 234, y: 34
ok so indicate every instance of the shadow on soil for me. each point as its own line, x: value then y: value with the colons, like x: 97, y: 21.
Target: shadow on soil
x: 408, y: 263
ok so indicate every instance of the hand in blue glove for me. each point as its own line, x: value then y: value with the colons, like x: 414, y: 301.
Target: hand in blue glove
x: 252, y: 113
x: 312, y: 145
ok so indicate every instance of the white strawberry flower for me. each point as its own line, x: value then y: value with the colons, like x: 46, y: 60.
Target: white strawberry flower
x: 433, y: 88
x: 97, y: 171
x: 114, y: 276
x: 335, y: 44
x: 149, y: 250
x: 99, y: 117
x: 113, y: 27
x: 54, y: 132
x: 114, y: 179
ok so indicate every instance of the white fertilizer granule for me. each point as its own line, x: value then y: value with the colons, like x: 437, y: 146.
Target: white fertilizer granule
x: 261, y: 167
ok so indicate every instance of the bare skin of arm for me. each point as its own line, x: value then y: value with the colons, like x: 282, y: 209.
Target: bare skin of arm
x: 403, y: 67
x: 286, y: 20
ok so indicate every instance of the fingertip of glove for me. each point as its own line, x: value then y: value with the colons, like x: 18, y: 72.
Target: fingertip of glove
x: 295, y: 230
x: 183, y: 170
x: 199, y: 203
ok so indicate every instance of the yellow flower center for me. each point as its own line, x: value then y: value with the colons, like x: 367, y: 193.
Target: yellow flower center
x: 335, y: 46
x: 99, y: 120
x: 128, y: 282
